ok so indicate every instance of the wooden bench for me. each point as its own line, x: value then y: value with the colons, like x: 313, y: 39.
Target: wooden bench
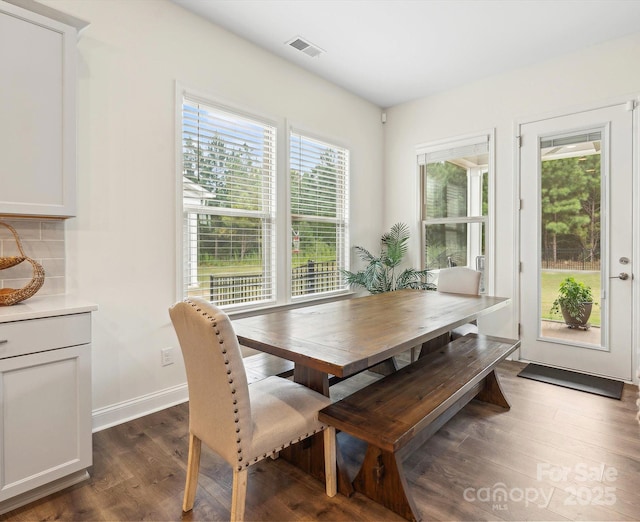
x: 398, y: 413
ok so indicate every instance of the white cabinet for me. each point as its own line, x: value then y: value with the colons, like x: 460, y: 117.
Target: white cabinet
x: 37, y: 114
x: 45, y: 405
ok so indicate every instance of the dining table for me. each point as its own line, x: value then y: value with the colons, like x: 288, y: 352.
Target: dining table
x: 339, y: 339
x: 343, y: 338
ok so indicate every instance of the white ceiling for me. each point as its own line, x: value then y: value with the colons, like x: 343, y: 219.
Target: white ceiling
x: 393, y: 51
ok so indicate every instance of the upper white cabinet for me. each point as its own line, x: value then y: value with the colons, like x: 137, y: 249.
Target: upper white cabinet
x: 37, y: 114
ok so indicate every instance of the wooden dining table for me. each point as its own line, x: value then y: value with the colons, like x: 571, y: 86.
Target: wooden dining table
x: 342, y: 338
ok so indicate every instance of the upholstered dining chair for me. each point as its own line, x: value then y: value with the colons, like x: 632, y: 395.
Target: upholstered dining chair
x: 242, y: 423
x: 460, y: 280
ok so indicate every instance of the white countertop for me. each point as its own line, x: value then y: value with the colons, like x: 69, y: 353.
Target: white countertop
x: 45, y: 306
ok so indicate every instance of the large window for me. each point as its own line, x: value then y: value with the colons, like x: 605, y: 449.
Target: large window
x: 318, y: 188
x: 237, y: 251
x: 228, y: 189
x: 455, y: 180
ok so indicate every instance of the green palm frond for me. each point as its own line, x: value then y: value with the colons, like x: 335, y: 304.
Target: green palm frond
x: 417, y: 279
x: 379, y: 274
x: 394, y: 244
x: 364, y: 254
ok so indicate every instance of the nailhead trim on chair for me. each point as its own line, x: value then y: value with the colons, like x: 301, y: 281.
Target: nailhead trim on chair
x: 276, y: 450
x: 214, y: 324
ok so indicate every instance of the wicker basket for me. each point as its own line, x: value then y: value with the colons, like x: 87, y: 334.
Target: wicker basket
x: 10, y: 296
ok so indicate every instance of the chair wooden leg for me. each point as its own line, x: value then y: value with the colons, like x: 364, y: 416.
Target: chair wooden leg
x: 330, y: 461
x: 193, y: 468
x: 239, y: 495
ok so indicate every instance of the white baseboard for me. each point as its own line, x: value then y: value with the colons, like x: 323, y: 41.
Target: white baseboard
x: 103, y: 418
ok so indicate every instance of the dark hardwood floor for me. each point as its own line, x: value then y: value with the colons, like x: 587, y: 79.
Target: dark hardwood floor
x: 557, y: 454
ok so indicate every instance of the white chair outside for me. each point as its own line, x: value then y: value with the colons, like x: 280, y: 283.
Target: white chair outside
x: 460, y: 280
x: 242, y: 423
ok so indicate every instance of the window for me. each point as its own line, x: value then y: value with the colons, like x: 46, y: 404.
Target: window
x: 319, y: 226
x: 228, y: 195
x: 236, y: 250
x: 455, y: 178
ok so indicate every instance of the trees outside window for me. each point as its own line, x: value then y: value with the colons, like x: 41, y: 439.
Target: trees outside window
x: 228, y: 186
x: 455, y: 203
x: 570, y: 209
x: 230, y: 225
x: 319, y: 213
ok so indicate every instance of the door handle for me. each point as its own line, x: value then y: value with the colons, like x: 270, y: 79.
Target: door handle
x: 3, y: 341
x: 622, y: 275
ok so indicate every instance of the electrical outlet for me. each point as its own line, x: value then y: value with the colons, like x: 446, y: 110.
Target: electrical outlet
x: 166, y: 356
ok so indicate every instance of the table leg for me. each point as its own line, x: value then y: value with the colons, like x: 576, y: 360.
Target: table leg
x: 434, y: 344
x: 314, y: 379
x: 386, y: 367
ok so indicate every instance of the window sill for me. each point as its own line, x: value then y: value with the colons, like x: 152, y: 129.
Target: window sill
x: 266, y: 309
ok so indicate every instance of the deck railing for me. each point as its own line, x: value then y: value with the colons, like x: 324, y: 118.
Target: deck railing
x: 313, y: 278
x: 309, y: 278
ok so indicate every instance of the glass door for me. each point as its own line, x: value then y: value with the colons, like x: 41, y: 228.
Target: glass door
x: 576, y: 241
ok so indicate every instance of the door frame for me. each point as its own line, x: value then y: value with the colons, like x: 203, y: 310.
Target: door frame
x: 634, y: 101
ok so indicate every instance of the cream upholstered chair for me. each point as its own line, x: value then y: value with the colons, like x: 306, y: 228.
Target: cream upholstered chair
x: 243, y: 424
x: 460, y: 280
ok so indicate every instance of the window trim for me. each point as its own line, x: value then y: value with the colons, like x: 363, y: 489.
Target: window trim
x: 488, y: 220
x: 282, y: 264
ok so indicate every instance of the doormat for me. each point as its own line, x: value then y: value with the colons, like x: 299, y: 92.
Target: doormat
x: 575, y: 381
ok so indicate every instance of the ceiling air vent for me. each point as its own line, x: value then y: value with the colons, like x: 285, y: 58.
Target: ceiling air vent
x: 305, y: 46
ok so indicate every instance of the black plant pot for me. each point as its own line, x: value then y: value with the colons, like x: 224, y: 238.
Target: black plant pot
x: 581, y: 320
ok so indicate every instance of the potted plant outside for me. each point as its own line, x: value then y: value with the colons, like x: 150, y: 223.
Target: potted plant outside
x: 575, y: 301
x: 380, y: 274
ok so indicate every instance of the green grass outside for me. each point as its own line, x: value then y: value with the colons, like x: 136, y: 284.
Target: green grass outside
x: 551, y: 282
x: 229, y: 270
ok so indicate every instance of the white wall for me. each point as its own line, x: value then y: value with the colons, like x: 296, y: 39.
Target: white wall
x: 590, y: 76
x: 121, y: 247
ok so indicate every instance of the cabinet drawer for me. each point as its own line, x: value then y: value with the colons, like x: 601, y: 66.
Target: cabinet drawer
x: 48, y: 333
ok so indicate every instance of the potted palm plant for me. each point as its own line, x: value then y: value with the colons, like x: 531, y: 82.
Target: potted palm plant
x: 380, y: 274
x: 575, y: 301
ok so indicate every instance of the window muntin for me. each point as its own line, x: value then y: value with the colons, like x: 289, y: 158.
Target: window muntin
x: 319, y: 215
x: 228, y: 200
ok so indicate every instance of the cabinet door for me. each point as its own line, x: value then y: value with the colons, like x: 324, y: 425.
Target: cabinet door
x: 37, y: 114
x: 45, y: 418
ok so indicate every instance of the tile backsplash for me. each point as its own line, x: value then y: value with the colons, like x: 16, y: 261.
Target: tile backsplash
x: 42, y: 240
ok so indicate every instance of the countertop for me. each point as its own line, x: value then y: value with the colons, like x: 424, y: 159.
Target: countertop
x: 45, y: 306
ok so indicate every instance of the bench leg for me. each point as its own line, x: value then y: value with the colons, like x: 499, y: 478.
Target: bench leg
x: 382, y: 479
x: 492, y: 392
x: 308, y: 455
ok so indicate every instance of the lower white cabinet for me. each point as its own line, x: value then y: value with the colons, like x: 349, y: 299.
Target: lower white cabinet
x: 45, y: 404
